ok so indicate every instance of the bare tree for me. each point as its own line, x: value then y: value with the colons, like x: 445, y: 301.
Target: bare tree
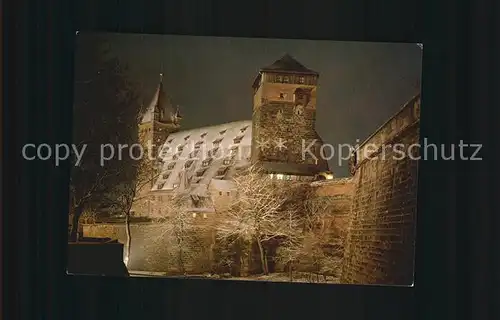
x: 176, y: 230
x: 259, y: 212
x: 318, y: 247
x: 105, y: 112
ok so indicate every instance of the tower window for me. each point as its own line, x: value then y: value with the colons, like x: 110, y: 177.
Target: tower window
x: 286, y: 79
x: 302, y: 80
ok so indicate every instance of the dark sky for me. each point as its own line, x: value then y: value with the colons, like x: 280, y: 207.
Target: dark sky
x: 360, y: 84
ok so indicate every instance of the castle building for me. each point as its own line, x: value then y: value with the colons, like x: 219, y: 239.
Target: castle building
x: 201, y: 162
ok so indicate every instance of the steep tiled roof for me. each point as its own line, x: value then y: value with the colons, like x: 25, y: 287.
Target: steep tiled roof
x: 192, y: 158
x: 288, y: 63
x: 160, y: 102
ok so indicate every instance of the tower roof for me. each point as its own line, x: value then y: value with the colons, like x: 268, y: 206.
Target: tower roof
x: 288, y: 64
x: 285, y: 64
x: 160, y: 102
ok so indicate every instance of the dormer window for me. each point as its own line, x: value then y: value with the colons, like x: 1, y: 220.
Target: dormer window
x: 206, y: 162
x: 244, y: 129
x: 188, y: 164
x: 217, y: 142
x: 160, y: 185
x: 186, y: 138
x: 302, y: 80
x: 166, y: 175
x: 200, y: 172
x: 180, y: 148
x: 238, y: 139
x: 175, y: 156
x: 198, y: 144
x: 171, y: 166
x: 203, y: 135
x: 213, y: 152
x: 222, y: 132
x: 170, y: 140
x: 286, y: 79
x: 194, y: 154
x: 222, y: 171
x: 233, y: 150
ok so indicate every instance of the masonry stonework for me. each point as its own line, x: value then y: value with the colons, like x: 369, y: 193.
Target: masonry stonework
x: 381, y: 232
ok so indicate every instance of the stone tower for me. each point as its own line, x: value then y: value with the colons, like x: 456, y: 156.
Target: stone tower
x: 284, y: 114
x: 159, y: 120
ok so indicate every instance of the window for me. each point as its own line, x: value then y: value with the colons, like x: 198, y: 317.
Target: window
x: 222, y: 132
x: 302, y: 80
x: 194, y: 154
x: 243, y: 129
x: 228, y: 193
x: 213, y: 152
x: 175, y: 185
x: 188, y: 163
x: 186, y: 138
x: 299, y: 110
x: 170, y: 140
x: 171, y: 166
x: 204, y: 216
x: 222, y: 171
x: 166, y: 175
x: 238, y: 139
x: 216, y: 142
x: 286, y: 79
x: 198, y: 144
x: 220, y: 193
x: 175, y: 156
x: 180, y: 148
x: 234, y: 150
x: 207, y: 162
x: 200, y: 172
x: 203, y: 135
x: 282, y: 95
x: 194, y: 214
x: 226, y: 162
x: 279, y: 79
x: 279, y: 176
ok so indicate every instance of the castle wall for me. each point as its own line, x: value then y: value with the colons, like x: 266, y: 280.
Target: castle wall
x: 381, y: 232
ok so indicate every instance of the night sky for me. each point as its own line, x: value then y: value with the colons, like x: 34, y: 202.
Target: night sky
x: 360, y: 85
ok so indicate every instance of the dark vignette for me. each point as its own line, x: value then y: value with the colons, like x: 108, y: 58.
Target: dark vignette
x: 38, y: 66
